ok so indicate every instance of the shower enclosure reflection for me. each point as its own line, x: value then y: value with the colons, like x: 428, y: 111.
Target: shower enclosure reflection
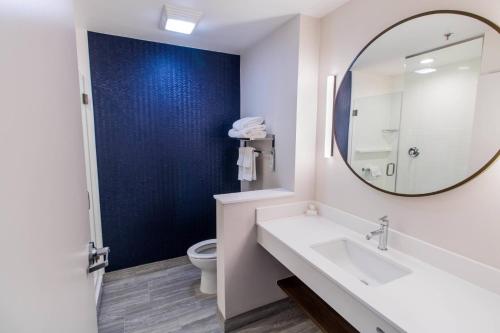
x: 430, y: 109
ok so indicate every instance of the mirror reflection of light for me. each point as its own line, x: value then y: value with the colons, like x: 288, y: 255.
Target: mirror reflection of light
x: 463, y: 68
x: 425, y: 70
x: 427, y: 61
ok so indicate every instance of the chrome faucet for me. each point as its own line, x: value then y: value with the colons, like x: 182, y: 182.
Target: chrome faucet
x: 382, y: 232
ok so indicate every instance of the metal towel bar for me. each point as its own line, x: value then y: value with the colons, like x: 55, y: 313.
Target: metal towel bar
x: 269, y: 137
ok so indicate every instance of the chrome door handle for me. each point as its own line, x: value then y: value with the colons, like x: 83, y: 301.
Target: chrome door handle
x: 392, y: 168
x: 95, y: 255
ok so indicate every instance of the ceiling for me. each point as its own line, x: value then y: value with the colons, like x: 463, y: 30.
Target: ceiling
x: 387, y: 55
x: 226, y: 26
x: 459, y: 54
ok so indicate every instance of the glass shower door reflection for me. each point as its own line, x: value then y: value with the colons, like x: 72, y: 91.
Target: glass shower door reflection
x: 374, y: 138
x: 438, y: 117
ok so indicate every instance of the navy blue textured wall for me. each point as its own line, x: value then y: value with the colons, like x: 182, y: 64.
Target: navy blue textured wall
x: 342, y: 116
x: 161, y: 118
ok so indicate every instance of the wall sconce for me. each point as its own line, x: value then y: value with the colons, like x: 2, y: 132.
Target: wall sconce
x: 331, y: 92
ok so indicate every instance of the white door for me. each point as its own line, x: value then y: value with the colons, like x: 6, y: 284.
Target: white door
x: 44, y: 226
x: 88, y: 170
x: 91, y: 175
x: 89, y: 145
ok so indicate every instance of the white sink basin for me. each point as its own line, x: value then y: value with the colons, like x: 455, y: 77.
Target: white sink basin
x: 366, y: 265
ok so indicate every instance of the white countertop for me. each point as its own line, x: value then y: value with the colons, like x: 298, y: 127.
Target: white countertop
x: 248, y: 196
x: 426, y: 301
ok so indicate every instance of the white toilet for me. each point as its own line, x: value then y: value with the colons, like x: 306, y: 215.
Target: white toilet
x: 204, y: 256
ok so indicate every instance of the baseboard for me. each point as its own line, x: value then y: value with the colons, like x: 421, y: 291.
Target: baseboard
x: 146, y: 268
x: 232, y: 324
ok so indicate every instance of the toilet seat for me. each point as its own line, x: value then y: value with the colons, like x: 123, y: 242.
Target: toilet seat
x: 203, y: 250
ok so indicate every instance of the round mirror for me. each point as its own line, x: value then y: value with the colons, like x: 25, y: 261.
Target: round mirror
x: 418, y: 111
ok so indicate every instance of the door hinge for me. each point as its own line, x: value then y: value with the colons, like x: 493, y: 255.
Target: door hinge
x: 88, y: 200
x: 355, y: 113
x: 95, y: 254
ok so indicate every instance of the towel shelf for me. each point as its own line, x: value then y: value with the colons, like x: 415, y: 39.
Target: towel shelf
x: 270, y: 138
x: 368, y: 150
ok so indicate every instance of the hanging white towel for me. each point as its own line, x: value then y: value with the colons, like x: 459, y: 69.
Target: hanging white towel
x: 247, y: 122
x: 241, y: 156
x: 254, y: 165
x: 246, y: 164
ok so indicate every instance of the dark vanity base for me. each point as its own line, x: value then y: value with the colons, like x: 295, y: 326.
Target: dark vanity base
x: 327, y: 319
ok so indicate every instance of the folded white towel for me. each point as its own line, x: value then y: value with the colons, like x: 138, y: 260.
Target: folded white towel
x: 257, y: 135
x: 253, y: 128
x: 250, y: 134
x: 235, y: 134
x: 247, y: 122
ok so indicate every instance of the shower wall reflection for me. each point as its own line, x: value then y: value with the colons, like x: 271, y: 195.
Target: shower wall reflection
x: 411, y: 122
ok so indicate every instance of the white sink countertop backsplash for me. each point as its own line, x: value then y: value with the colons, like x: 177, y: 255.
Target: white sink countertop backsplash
x: 428, y: 299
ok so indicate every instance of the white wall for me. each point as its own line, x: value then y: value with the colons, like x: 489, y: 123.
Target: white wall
x: 279, y: 80
x: 465, y: 220
x: 485, y: 132
x: 44, y: 228
x: 269, y: 71
x: 491, y: 49
x: 307, y: 107
x: 246, y: 273
x: 365, y: 84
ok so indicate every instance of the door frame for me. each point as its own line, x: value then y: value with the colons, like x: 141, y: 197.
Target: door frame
x: 91, y: 176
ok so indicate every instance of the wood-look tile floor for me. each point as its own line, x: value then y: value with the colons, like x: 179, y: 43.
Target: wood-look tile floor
x: 164, y: 297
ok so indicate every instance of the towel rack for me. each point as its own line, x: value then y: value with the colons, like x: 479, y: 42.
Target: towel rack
x: 269, y: 137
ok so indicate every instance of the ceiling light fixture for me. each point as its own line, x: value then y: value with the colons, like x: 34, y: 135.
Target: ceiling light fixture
x: 427, y: 61
x: 425, y: 70
x: 179, y: 19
